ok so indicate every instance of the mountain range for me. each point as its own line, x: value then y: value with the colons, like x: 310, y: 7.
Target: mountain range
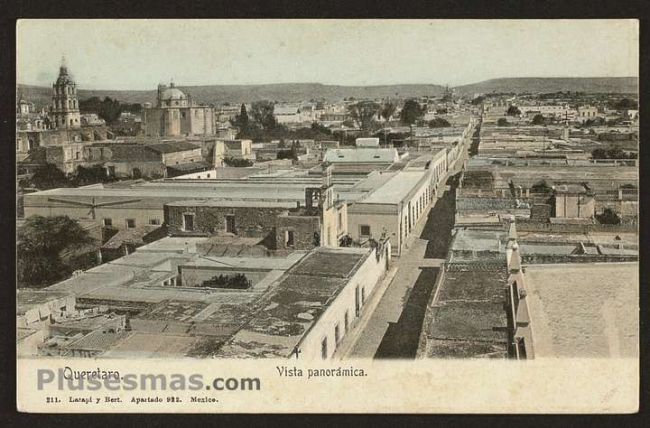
x: 553, y: 84
x: 294, y: 92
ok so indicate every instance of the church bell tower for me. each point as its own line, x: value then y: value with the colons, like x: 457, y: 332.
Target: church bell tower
x: 65, y: 106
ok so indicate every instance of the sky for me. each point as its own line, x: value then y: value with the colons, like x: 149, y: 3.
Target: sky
x: 139, y: 54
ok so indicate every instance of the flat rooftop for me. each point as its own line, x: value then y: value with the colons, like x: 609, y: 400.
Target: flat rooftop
x: 361, y: 155
x: 397, y: 188
x: 467, y: 320
x: 295, y: 304
x: 87, y: 323
x: 479, y: 240
x: 188, y: 189
x: 27, y: 299
x: 232, y: 203
x: 97, y: 341
x: 138, y: 277
x: 586, y: 310
x: 144, y: 345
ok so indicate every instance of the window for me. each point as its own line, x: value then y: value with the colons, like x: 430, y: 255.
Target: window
x: 363, y: 295
x: 364, y: 230
x: 337, y: 334
x: 188, y: 222
x: 323, y: 348
x: 108, y: 222
x: 230, y: 224
x: 154, y: 221
x: 340, y: 223
x: 357, y: 301
x: 130, y: 223
x: 346, y: 321
x: 76, y: 155
x: 289, y: 241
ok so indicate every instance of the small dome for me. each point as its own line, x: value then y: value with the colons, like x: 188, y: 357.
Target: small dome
x: 173, y: 94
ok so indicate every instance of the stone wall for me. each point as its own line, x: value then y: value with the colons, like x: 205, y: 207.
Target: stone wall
x: 209, y: 220
x: 306, y: 232
x: 577, y: 258
x: 534, y: 226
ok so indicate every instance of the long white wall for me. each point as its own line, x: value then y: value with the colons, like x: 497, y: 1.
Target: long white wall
x: 362, y: 283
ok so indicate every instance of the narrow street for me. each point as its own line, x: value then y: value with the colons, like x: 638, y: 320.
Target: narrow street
x: 394, y: 327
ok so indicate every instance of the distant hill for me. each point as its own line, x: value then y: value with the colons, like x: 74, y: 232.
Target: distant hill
x: 294, y: 92
x: 42, y: 95
x: 553, y: 84
x: 283, y: 92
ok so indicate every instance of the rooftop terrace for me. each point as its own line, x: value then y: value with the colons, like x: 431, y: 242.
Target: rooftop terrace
x: 584, y: 310
x: 397, y: 188
x: 299, y: 299
x: 468, y: 319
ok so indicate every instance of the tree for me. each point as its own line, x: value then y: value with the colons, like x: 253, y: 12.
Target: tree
x: 262, y: 112
x: 478, y: 100
x: 613, y: 153
x: 513, y: 111
x: 598, y: 121
x: 48, y: 177
x: 599, y: 154
x: 608, y: 216
x: 288, y: 154
x: 439, y: 122
x: 241, y: 121
x: 40, y: 243
x: 626, y: 104
x: 320, y: 129
x: 538, y: 119
x: 616, y: 153
x: 387, y: 109
x: 502, y: 121
x: 107, y: 109
x: 238, y: 163
x: 237, y: 281
x: 541, y: 187
x: 411, y: 112
x: 364, y: 112
x: 90, y: 175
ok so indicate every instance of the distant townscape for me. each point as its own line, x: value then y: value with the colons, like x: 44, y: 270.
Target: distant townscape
x: 494, y: 220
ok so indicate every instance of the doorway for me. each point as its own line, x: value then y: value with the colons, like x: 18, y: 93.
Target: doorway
x: 230, y: 224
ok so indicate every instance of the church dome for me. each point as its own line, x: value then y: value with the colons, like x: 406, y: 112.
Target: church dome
x: 173, y: 94
x: 64, y: 77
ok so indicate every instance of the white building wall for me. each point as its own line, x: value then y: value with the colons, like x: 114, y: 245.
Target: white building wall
x: 365, y: 278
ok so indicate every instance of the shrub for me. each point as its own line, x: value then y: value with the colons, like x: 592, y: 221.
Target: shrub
x: 237, y: 281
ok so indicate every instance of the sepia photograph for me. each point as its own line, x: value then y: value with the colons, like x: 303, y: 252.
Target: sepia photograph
x: 336, y: 197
